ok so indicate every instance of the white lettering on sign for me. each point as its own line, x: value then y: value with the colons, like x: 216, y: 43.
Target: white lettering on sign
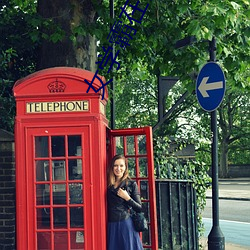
x: 102, y: 108
x: 49, y: 107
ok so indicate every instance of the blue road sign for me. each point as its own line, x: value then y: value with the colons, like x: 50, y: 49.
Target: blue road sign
x: 210, y: 86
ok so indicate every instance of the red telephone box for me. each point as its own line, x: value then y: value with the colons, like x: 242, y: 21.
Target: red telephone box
x: 62, y: 149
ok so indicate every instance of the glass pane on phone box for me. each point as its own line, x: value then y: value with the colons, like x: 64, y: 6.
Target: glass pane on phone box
x: 42, y: 171
x: 60, y: 217
x: 75, y: 169
x: 41, y: 194
x: 75, y: 193
x: 59, y: 194
x: 141, y: 139
x: 45, y: 199
x: 119, y: 145
x: 146, y: 237
x: 146, y: 210
x: 61, y: 240
x: 43, y: 218
x: 41, y: 146
x: 58, y: 170
x: 77, y: 240
x: 131, y: 167
x: 76, y: 217
x: 44, y: 240
x: 144, y: 190
x: 74, y: 145
x: 143, y: 163
x: 58, y: 146
x: 130, y: 145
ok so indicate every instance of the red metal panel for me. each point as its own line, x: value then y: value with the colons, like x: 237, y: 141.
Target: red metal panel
x: 21, y: 196
x: 36, y: 84
x: 152, y: 194
x: 147, y: 131
x: 69, y: 86
x: 95, y: 217
x: 32, y: 183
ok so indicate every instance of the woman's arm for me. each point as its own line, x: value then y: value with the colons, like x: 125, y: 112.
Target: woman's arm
x: 133, y: 200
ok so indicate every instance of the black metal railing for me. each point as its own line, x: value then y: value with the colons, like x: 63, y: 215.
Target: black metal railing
x: 176, y: 211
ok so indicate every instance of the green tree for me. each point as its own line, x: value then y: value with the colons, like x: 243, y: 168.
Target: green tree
x: 17, y: 54
x: 233, y: 120
x: 68, y: 37
x: 234, y: 117
x: 66, y: 33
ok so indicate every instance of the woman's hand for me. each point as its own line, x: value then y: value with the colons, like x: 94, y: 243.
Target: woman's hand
x: 123, y: 194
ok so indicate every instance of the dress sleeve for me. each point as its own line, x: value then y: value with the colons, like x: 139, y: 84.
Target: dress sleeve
x: 135, y: 201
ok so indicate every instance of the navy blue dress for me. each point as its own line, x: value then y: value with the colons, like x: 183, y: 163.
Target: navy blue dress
x: 121, y: 231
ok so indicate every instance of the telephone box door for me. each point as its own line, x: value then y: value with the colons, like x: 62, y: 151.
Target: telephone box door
x: 136, y: 145
x: 59, y: 188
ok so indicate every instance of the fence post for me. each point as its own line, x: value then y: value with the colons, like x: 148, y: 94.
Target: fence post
x: 7, y: 191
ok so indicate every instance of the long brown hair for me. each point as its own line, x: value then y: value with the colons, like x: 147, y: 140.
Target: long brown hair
x: 111, y: 175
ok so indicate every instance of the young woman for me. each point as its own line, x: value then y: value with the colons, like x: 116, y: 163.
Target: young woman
x: 122, y: 195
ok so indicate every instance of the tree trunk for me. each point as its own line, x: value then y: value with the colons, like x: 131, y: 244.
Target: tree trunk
x: 73, y: 51
x: 223, y: 166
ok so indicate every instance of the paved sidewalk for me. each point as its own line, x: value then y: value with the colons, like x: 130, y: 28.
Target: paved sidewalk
x: 242, y: 193
x: 228, y: 246
x: 230, y: 194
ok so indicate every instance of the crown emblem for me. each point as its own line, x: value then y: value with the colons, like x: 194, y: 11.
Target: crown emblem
x: 56, y: 86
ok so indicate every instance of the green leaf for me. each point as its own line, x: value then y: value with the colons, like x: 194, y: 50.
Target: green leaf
x: 194, y: 27
x: 235, y: 5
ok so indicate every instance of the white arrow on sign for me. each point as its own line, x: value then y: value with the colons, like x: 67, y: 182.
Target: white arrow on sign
x: 204, y: 86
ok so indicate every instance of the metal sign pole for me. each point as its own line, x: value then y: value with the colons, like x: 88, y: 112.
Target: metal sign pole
x: 112, y: 84
x: 216, y: 240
